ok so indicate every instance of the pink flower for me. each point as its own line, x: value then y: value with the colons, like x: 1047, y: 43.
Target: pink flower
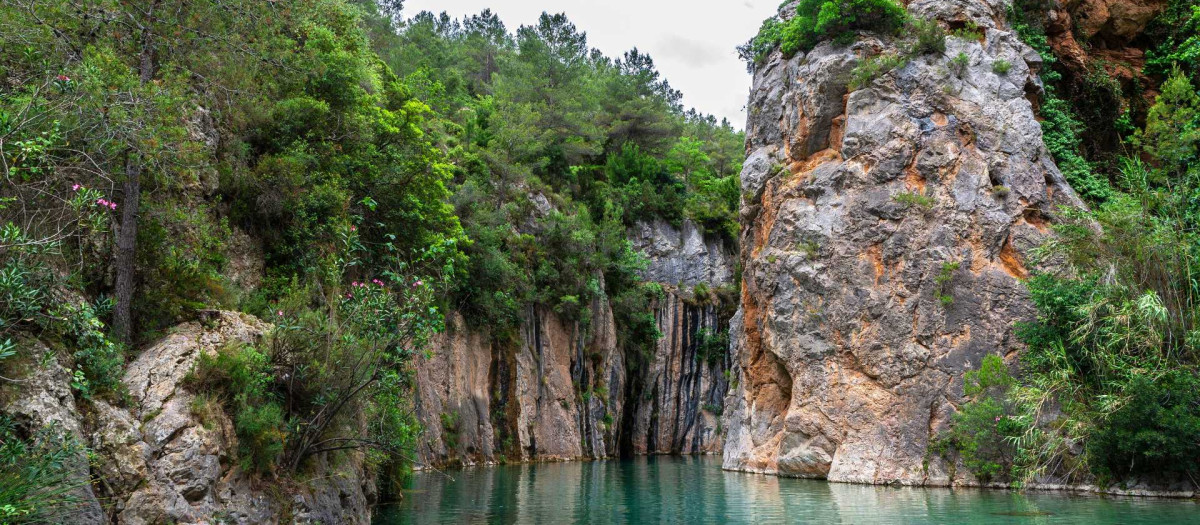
x: 354, y: 283
x: 63, y: 78
x: 377, y: 281
x: 997, y: 419
x: 353, y: 229
x: 416, y: 284
x: 112, y: 205
x: 102, y: 202
x: 75, y: 187
x: 279, y: 313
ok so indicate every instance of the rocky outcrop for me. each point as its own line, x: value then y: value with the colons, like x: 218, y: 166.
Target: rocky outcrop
x: 560, y: 390
x: 683, y: 255
x: 884, y: 234
x: 39, y: 397
x: 683, y: 392
x: 159, y: 461
x: 550, y: 394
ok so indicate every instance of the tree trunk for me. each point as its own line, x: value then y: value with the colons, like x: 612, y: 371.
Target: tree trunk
x: 122, y: 328
x: 127, y: 250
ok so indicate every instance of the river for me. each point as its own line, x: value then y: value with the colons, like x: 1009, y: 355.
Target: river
x: 694, y: 490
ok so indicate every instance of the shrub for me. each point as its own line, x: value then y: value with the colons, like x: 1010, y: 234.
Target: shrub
x: 986, y: 430
x: 35, y: 479
x: 1001, y: 67
x: 944, y: 278
x: 711, y: 346
x: 450, y: 431
x: 958, y: 64
x: 245, y: 377
x: 912, y: 198
x: 931, y: 38
x: 1156, y: 431
x: 969, y: 31
x: 872, y: 68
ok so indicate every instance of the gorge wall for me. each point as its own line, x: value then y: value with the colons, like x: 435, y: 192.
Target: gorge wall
x: 559, y: 391
x: 160, y: 458
x: 885, y: 231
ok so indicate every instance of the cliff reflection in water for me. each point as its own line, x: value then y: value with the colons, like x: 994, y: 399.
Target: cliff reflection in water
x: 695, y: 490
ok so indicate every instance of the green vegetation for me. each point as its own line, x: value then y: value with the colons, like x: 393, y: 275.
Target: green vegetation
x: 712, y: 346
x: 930, y: 37
x: 986, y: 431
x: 388, y: 171
x: 1176, y: 32
x: 1061, y: 128
x: 912, y: 198
x: 969, y: 31
x: 867, y: 71
x: 35, y: 481
x: 945, y: 276
x: 958, y: 64
x: 1001, y: 67
x: 1112, y: 359
x: 539, y: 127
x: 817, y: 20
x: 243, y: 374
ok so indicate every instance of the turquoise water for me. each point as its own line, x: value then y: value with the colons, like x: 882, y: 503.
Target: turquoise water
x: 694, y: 490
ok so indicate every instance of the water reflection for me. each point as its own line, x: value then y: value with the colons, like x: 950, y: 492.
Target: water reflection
x: 693, y: 490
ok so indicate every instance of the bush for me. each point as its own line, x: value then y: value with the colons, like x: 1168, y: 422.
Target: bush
x: 874, y: 67
x: 244, y: 375
x: 912, y: 198
x: 958, y: 64
x: 931, y: 38
x: 1156, y: 431
x: 712, y: 346
x: 944, y: 278
x: 35, y: 479
x: 1001, y: 67
x: 986, y: 430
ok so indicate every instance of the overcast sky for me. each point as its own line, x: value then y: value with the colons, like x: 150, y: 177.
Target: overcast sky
x: 692, y: 41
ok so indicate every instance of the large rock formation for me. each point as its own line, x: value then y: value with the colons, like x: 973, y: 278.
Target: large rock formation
x: 158, y: 461
x: 560, y: 391
x: 884, y: 233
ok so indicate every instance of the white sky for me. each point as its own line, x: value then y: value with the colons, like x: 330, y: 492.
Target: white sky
x: 692, y: 41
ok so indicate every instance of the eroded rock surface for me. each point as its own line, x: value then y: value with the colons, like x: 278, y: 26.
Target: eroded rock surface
x: 157, y: 461
x: 884, y: 233
x: 559, y: 391
x: 41, y: 398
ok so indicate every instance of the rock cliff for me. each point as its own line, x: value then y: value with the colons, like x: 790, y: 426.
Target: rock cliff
x: 884, y: 233
x: 158, y: 461
x: 561, y: 391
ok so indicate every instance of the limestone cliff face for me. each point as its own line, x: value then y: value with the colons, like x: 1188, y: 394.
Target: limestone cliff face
x: 884, y: 233
x: 560, y: 391
x: 158, y: 462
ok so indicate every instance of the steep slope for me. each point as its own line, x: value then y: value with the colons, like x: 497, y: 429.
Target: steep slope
x: 884, y: 233
x: 561, y: 391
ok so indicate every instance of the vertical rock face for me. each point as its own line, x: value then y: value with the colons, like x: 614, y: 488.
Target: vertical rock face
x: 683, y: 392
x: 559, y: 391
x: 551, y: 394
x: 884, y: 233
